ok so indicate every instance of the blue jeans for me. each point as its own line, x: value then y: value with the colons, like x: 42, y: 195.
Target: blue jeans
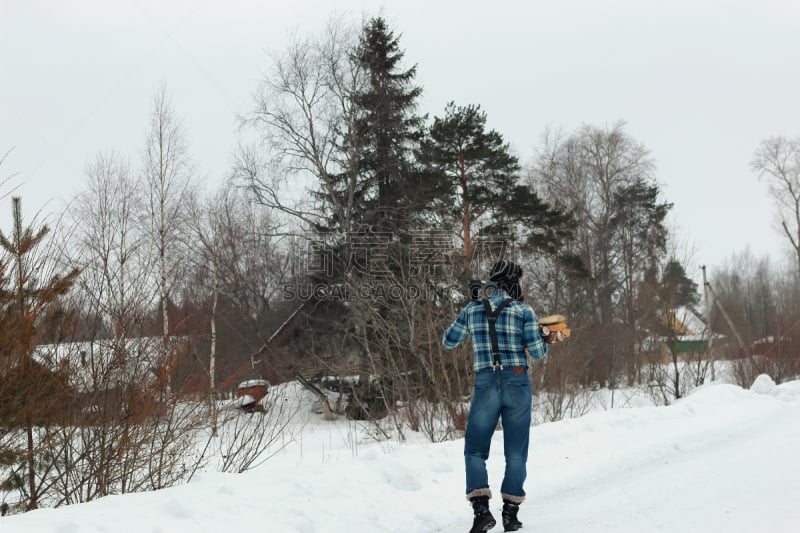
x: 499, y: 394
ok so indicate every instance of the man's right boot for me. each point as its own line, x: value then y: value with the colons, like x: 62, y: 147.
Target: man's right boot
x: 484, y: 521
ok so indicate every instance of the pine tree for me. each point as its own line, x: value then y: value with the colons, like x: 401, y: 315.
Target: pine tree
x: 34, y: 396
x: 640, y: 235
x: 475, y: 179
x: 473, y: 165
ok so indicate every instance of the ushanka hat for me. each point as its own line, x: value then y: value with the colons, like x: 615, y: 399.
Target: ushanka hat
x: 507, y: 274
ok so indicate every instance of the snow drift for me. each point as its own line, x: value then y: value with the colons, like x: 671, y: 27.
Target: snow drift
x: 722, y: 459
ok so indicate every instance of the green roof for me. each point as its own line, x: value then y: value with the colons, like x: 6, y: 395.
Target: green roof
x: 688, y: 346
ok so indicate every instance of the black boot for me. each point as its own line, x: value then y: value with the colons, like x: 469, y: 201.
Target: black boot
x: 510, y: 522
x: 484, y: 521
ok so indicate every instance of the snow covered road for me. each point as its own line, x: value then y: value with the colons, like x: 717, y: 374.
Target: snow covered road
x: 723, y: 459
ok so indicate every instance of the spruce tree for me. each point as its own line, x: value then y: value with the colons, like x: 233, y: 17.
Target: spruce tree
x: 378, y: 178
x: 387, y: 130
x: 380, y: 182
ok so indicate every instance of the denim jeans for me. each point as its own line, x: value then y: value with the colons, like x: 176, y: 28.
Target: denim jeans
x: 499, y: 394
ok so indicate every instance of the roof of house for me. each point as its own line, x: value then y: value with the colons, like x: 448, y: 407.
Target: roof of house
x: 99, y: 363
x: 688, y: 324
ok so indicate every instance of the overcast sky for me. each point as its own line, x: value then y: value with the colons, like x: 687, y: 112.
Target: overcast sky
x: 699, y: 83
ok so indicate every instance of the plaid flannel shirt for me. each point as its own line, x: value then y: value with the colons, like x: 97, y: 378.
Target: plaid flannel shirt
x: 517, y: 329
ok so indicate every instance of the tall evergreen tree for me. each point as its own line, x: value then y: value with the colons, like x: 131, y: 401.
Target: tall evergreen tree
x: 473, y: 165
x: 475, y: 179
x: 640, y: 236
x: 387, y: 129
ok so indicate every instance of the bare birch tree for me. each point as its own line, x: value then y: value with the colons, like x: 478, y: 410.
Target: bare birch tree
x: 126, y: 438
x: 111, y: 246
x: 303, y: 112
x: 167, y: 176
x: 777, y: 160
x: 607, y: 180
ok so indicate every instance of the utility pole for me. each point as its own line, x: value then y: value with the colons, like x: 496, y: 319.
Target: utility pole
x: 707, y: 305
x: 709, y: 291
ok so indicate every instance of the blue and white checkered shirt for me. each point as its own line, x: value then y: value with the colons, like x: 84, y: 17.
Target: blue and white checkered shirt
x: 517, y: 329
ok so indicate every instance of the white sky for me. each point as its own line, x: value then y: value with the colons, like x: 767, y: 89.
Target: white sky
x: 700, y: 83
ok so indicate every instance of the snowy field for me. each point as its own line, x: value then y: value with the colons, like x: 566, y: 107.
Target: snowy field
x: 724, y: 459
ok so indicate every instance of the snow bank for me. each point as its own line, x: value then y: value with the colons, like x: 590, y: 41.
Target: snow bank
x: 697, y: 466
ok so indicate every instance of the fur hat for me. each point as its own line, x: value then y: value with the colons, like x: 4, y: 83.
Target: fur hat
x: 507, y: 274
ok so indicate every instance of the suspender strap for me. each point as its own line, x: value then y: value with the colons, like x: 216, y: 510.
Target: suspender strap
x: 491, y: 316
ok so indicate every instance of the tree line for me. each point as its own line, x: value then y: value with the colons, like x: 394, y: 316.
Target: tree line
x: 335, y: 254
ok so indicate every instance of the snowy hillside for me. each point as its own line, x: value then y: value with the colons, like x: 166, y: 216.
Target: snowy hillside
x: 723, y: 459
